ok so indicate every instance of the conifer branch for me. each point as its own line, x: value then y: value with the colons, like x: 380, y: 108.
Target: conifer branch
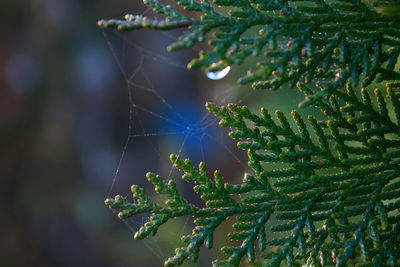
x: 329, y: 42
x: 333, y: 200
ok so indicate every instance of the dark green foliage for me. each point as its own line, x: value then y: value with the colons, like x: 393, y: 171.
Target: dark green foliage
x: 326, y: 41
x: 331, y: 197
x: 331, y: 200
x: 322, y: 192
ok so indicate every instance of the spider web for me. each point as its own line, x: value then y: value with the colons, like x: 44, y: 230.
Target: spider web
x: 166, y: 114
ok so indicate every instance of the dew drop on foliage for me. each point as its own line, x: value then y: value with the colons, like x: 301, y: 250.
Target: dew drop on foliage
x: 217, y: 75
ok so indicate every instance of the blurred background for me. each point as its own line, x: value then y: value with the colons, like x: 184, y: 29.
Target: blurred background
x: 84, y: 114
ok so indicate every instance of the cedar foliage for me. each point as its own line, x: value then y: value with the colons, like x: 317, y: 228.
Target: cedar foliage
x: 330, y: 186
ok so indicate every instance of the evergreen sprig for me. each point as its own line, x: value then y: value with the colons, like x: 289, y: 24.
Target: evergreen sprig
x: 322, y: 191
x: 219, y: 206
x: 319, y: 40
x: 332, y: 200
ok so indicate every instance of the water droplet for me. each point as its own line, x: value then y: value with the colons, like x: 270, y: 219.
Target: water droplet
x: 218, y: 75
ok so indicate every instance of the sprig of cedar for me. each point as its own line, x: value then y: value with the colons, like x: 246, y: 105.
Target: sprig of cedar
x: 332, y: 199
x: 330, y: 42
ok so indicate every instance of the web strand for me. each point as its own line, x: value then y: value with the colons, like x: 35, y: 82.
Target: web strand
x: 118, y: 167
